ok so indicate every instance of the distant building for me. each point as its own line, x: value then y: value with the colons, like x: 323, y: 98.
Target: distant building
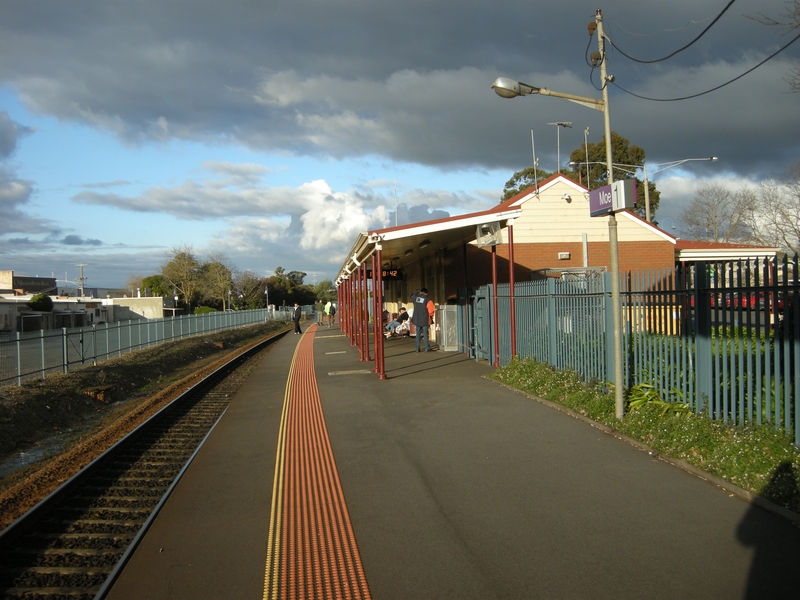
x: 17, y: 316
x: 20, y: 285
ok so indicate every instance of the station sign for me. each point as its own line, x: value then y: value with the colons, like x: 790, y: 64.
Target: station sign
x: 600, y: 201
x: 612, y: 198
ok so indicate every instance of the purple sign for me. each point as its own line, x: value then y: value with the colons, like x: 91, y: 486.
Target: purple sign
x: 600, y: 201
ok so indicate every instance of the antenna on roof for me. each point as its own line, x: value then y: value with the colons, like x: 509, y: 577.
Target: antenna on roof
x: 535, y: 165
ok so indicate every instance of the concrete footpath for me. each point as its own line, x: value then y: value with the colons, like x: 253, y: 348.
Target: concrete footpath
x: 460, y: 488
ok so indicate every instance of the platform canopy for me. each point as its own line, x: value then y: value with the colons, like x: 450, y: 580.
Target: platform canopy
x: 406, y: 244
x: 700, y: 250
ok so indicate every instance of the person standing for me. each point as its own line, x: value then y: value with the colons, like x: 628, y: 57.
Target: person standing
x: 423, y: 312
x: 298, y: 312
x: 327, y: 311
x: 319, y: 309
x: 332, y: 315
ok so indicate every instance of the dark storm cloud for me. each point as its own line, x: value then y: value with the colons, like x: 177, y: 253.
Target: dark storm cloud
x: 409, y: 80
x: 10, y: 132
x: 15, y: 193
x: 76, y: 240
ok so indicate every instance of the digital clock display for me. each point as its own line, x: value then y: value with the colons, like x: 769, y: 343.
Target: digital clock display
x: 392, y: 274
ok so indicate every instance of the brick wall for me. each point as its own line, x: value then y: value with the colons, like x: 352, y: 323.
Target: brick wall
x: 633, y: 256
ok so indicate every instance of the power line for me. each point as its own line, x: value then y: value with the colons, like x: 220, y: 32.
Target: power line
x: 702, y: 33
x: 771, y: 56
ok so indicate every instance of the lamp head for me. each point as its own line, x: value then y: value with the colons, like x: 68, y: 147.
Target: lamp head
x: 508, y: 88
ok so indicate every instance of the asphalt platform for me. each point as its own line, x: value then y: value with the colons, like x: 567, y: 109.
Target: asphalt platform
x: 460, y: 488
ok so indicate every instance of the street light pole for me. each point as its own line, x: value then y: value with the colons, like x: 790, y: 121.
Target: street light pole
x: 508, y: 88
x: 613, y: 242
x: 669, y: 165
x: 559, y: 125
x: 643, y: 167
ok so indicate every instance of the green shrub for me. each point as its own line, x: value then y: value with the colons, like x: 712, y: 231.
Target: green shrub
x: 41, y: 302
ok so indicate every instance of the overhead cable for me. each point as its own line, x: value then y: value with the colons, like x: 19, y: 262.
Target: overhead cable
x: 702, y: 33
x: 715, y: 88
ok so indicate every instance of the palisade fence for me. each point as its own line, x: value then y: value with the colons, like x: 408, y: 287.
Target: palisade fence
x: 722, y: 337
x: 37, y: 354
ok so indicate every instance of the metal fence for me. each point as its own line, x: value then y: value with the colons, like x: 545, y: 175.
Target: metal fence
x: 36, y: 354
x: 722, y: 337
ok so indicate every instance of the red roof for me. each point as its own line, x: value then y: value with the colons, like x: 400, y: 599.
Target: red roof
x: 704, y: 245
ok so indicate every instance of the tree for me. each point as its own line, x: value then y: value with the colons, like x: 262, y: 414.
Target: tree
x: 774, y: 218
x: 287, y: 288
x: 217, y: 278
x: 325, y: 290
x: 296, y: 277
x: 790, y: 22
x: 183, y: 272
x: 280, y: 288
x: 522, y: 180
x: 719, y: 215
x: 156, y: 285
x: 622, y: 153
x: 133, y: 283
x: 249, y: 290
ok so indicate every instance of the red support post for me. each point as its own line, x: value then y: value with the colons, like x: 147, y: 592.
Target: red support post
x: 495, y: 317
x: 377, y: 278
x: 365, y: 307
x: 513, y: 310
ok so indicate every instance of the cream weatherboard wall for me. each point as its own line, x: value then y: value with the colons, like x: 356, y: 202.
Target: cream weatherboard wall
x: 559, y: 212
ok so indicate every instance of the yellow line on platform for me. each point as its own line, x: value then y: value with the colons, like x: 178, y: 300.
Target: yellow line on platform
x: 276, y: 510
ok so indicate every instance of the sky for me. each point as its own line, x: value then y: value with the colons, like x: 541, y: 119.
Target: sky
x: 274, y: 132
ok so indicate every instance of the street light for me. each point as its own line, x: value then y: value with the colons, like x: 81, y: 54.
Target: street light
x: 643, y: 167
x: 508, y: 88
x: 559, y: 125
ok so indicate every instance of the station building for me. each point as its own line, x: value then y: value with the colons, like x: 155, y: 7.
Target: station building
x: 544, y: 231
x: 549, y: 226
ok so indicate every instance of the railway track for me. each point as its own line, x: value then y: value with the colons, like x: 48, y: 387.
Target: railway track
x: 74, y: 543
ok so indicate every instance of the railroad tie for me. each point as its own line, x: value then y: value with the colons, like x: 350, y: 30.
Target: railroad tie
x: 311, y: 548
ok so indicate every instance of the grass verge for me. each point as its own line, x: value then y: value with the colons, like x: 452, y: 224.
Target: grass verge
x: 756, y: 458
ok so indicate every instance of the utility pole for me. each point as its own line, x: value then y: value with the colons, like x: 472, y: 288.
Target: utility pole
x: 81, y: 279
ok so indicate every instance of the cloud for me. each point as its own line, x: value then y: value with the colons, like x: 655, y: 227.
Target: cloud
x: 241, y: 173
x: 76, y: 240
x: 363, y: 80
x: 14, y: 194
x: 10, y: 133
x: 340, y: 80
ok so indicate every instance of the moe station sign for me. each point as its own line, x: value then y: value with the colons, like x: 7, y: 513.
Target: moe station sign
x: 612, y: 198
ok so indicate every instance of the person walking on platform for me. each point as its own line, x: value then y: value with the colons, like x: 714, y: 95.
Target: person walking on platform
x: 422, y: 317
x: 298, y: 312
x: 327, y: 311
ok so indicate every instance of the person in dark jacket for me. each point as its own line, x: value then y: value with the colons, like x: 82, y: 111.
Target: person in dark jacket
x: 298, y: 312
x: 423, y: 311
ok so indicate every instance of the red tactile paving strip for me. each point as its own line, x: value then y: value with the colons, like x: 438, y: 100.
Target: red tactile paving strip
x: 311, y: 550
